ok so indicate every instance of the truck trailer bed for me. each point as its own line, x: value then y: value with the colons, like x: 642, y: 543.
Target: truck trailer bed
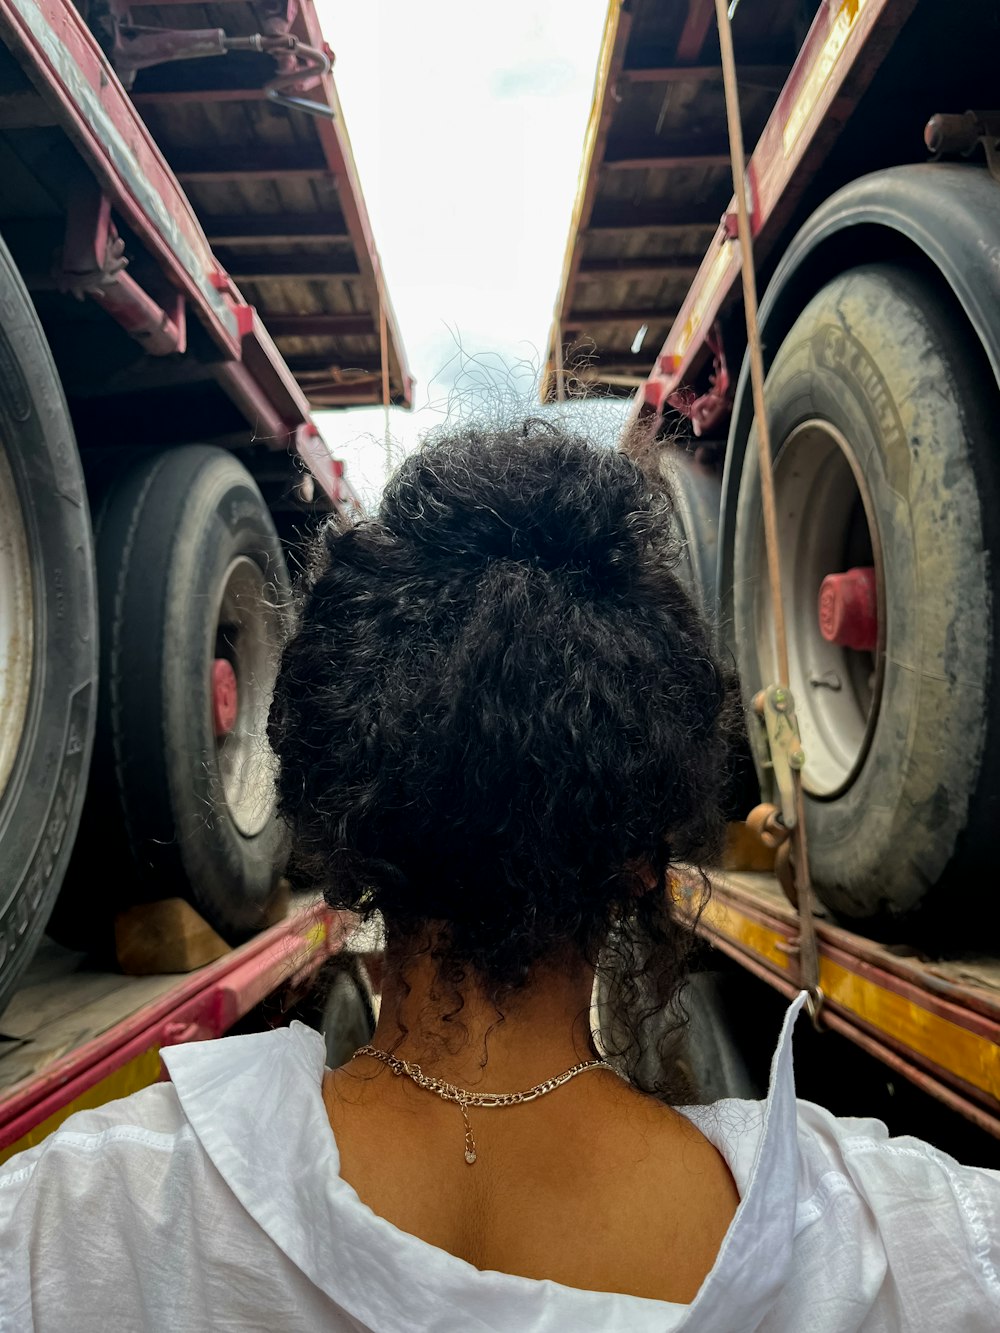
x: 75, y: 1037
x: 937, y: 1022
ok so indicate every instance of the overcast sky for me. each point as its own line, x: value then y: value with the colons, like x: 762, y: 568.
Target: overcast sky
x: 467, y: 122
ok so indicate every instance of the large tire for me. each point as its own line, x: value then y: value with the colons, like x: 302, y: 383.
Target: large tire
x: 697, y: 494
x: 348, y: 1018
x: 882, y: 419
x: 48, y: 631
x: 710, y: 1054
x: 190, y: 570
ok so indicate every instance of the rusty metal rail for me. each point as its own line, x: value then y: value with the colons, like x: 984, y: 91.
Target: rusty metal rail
x: 776, y: 703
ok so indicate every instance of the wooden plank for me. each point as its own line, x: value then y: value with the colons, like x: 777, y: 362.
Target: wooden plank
x: 750, y: 76
x: 330, y: 365
x: 669, y: 157
x: 614, y: 42
x: 49, y: 961
x: 324, y: 326
x: 38, y: 1006
x: 199, y: 167
x: 243, y: 228
x: 581, y: 319
x: 165, y: 936
x: 346, y: 396
x: 598, y: 376
x: 81, y: 1057
x: 316, y: 380
x: 951, y: 980
x: 80, y: 1022
x: 657, y: 219
x: 603, y: 368
x: 668, y: 267
x: 745, y: 851
x: 266, y: 268
x: 198, y: 96
x: 699, y: 19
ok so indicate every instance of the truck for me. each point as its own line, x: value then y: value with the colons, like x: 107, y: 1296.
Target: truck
x: 873, y: 190
x: 187, y: 274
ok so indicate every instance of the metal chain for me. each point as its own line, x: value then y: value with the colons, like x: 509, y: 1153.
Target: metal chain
x: 807, y: 949
x: 463, y: 1098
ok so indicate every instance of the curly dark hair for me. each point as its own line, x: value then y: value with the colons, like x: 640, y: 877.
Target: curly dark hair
x: 500, y: 717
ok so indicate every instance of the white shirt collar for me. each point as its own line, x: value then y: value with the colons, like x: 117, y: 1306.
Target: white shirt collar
x: 256, y: 1105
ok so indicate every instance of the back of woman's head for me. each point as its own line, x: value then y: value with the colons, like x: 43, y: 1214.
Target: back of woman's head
x: 498, y: 720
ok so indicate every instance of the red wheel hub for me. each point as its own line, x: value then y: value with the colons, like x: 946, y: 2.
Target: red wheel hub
x: 848, y: 609
x: 225, y: 697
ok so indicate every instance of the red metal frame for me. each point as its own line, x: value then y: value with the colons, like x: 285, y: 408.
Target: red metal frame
x: 797, y: 136
x: 200, y: 1007
x: 63, y: 60
x: 329, y: 471
x: 93, y: 264
x: 60, y: 55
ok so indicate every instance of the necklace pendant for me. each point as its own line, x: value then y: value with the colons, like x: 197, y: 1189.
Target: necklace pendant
x: 470, y: 1155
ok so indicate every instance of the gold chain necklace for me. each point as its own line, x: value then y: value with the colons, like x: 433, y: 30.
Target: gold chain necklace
x: 464, y: 1099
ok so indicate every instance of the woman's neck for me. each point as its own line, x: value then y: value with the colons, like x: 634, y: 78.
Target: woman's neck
x: 459, y: 1034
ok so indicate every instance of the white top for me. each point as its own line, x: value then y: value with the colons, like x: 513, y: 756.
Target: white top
x: 216, y: 1203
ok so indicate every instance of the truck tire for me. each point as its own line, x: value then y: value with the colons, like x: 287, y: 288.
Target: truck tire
x: 191, y: 574
x: 48, y: 631
x: 348, y: 1018
x: 882, y: 414
x: 697, y: 492
x: 711, y: 1056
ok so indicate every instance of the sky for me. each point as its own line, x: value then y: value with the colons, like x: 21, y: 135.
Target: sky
x: 467, y: 121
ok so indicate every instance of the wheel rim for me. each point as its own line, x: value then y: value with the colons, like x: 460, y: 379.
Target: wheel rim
x: 16, y: 622
x: 246, y: 647
x: 826, y: 526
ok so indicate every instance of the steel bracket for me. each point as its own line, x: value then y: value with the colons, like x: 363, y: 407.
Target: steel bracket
x: 710, y: 409
x: 93, y: 263
x: 135, y: 47
x: 774, y: 735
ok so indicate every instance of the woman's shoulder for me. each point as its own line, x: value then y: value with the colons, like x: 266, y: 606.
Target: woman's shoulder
x: 906, y: 1225
x: 844, y: 1153
x: 910, y: 1187
x: 150, y: 1120
x: 839, y: 1217
x: 127, y: 1207
x: 118, y: 1179
x: 862, y: 1150
x: 150, y: 1131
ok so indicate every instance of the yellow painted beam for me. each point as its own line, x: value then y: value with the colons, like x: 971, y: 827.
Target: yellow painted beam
x: 920, y: 1031
x: 139, y: 1072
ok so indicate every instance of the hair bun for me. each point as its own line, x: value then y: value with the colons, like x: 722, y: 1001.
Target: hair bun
x: 475, y: 502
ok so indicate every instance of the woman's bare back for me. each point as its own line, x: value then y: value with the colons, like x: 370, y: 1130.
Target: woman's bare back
x: 594, y: 1186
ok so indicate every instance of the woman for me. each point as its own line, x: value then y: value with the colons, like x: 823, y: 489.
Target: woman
x: 499, y: 724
